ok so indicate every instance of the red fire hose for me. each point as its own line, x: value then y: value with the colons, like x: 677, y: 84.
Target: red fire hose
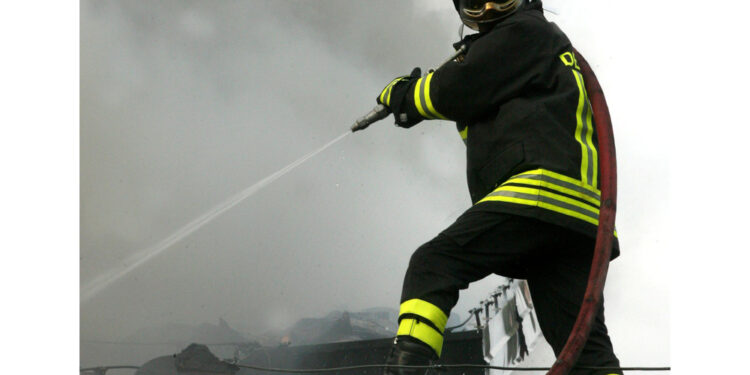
x: 605, y: 233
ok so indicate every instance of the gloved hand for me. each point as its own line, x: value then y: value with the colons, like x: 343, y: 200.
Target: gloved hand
x: 393, y: 96
x: 386, y: 96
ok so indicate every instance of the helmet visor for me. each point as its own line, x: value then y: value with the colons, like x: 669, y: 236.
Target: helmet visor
x: 472, y: 5
x: 475, y: 12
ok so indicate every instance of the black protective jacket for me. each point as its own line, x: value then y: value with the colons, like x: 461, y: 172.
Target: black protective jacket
x: 520, y: 105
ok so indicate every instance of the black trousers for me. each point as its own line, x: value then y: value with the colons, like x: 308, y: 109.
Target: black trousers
x: 555, y: 261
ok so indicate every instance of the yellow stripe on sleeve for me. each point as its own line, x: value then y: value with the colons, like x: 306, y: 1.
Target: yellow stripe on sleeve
x: 418, y: 99
x: 428, y: 100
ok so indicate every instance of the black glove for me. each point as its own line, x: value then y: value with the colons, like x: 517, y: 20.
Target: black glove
x: 394, y: 94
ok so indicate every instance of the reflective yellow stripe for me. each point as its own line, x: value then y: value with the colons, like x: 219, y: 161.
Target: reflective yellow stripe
x: 532, y: 196
x: 464, y: 133
x: 385, y: 95
x: 590, y: 141
x: 549, y: 200
x: 418, y: 99
x: 544, y: 205
x: 579, y: 128
x: 421, y: 332
x: 545, y: 193
x: 585, y: 134
x: 560, y: 177
x: 571, y: 180
x: 552, y: 186
x: 385, y: 90
x: 425, y: 310
x: 428, y: 100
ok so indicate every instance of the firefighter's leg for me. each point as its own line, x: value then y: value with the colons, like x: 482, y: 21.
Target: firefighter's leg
x: 476, y: 245
x: 557, y: 287
x: 436, y: 272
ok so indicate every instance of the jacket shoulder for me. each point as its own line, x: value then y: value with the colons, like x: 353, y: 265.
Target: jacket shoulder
x: 529, y: 24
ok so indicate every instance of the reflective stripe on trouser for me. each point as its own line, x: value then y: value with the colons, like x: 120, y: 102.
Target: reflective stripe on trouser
x: 551, y: 191
x: 422, y: 99
x: 424, y: 322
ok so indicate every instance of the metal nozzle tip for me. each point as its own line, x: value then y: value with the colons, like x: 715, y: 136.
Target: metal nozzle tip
x: 357, y: 126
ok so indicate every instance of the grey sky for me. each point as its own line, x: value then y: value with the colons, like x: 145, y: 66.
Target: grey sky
x: 184, y: 103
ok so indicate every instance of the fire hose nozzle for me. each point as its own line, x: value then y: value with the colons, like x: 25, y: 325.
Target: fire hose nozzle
x: 378, y: 113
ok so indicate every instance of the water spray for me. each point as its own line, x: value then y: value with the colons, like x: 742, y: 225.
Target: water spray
x: 136, y: 260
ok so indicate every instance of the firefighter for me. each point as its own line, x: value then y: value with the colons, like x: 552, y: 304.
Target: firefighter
x: 518, y: 99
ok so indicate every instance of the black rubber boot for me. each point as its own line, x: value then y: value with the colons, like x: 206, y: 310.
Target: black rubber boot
x: 407, y: 351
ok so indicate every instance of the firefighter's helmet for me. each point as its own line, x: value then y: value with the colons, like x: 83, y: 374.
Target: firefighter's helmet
x: 481, y: 15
